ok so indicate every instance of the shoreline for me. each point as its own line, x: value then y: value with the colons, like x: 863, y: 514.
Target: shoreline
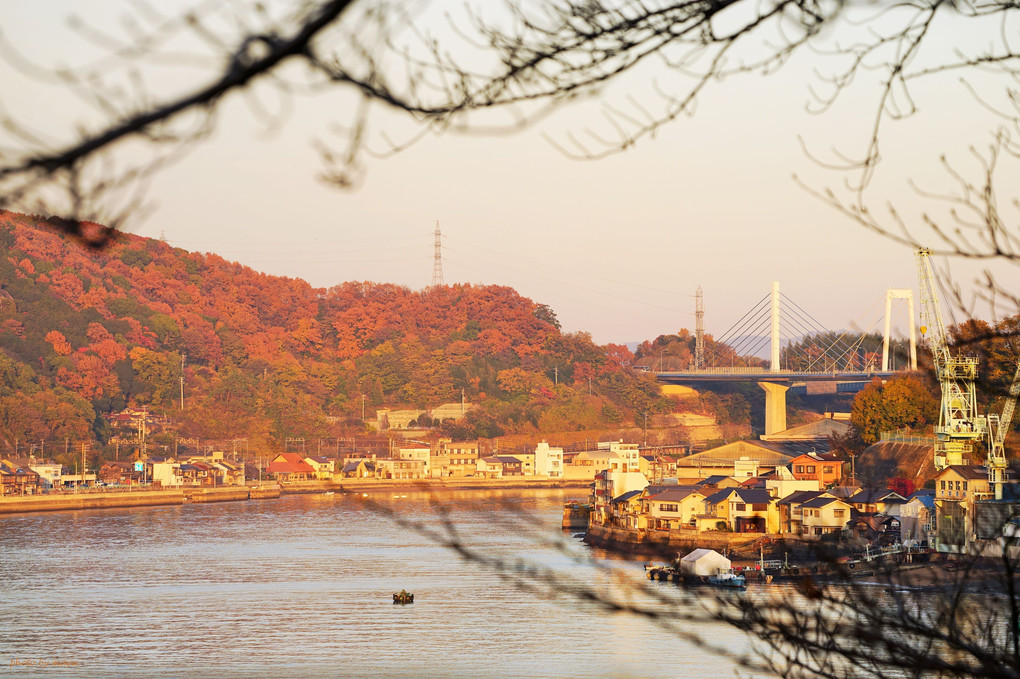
x: 270, y: 490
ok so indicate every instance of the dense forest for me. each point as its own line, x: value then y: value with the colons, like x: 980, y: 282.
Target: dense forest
x: 87, y: 332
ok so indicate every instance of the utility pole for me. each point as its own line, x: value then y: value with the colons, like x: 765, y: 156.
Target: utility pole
x: 556, y: 374
x: 183, y: 356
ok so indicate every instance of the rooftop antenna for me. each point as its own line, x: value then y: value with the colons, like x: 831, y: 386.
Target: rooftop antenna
x: 437, y: 259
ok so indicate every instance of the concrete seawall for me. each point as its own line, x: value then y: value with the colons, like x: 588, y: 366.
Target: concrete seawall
x: 270, y: 489
x: 49, y: 503
x: 469, y: 483
x: 664, y: 544
x: 217, y: 494
x: 136, y: 498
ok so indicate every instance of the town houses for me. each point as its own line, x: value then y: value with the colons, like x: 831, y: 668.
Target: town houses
x: 770, y: 488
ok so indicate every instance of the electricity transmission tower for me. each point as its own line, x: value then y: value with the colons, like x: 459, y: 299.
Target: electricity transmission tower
x: 437, y: 259
x: 699, y: 330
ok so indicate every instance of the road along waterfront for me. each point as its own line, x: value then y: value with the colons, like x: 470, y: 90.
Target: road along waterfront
x: 302, y: 587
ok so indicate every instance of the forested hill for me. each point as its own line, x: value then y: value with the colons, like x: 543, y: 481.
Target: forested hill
x: 86, y: 332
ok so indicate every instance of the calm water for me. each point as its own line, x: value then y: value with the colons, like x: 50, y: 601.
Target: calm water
x: 302, y: 587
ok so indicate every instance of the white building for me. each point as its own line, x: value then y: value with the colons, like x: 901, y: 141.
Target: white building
x: 786, y: 483
x: 548, y: 460
x: 49, y: 473
x: 167, y: 474
x: 629, y: 454
x: 419, y: 455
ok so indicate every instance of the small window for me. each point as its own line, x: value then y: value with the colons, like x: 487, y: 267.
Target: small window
x: 740, y: 506
x: 810, y: 469
x: 838, y: 513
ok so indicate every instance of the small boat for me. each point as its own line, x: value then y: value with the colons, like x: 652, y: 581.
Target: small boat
x: 328, y: 492
x: 727, y: 580
x: 403, y: 597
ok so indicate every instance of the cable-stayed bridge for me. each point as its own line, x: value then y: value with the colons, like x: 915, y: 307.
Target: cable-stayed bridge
x: 837, y: 362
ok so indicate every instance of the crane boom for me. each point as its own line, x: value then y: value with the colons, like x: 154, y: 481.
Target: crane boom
x: 1006, y: 419
x: 959, y: 423
x: 998, y: 426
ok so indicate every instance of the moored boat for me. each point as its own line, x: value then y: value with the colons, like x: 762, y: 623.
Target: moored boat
x: 728, y: 580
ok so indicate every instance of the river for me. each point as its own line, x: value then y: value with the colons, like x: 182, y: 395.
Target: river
x: 302, y: 587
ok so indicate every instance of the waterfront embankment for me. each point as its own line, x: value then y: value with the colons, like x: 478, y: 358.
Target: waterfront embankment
x: 51, y: 502
x: 269, y: 489
x: 465, y: 483
x: 666, y: 544
x: 59, y: 501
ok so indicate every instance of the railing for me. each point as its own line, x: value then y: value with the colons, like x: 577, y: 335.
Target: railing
x: 904, y: 436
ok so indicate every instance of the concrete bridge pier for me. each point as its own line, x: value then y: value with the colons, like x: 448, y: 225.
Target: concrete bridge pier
x: 775, y: 406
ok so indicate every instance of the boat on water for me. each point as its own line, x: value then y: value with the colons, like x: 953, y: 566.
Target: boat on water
x: 734, y: 580
x: 328, y: 492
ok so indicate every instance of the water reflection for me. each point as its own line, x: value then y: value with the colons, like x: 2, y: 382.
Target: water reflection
x: 301, y: 587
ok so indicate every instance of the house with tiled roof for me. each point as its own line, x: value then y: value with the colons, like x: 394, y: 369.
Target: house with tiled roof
x: 877, y: 501
x: 670, y: 508
x: 962, y: 482
x: 362, y: 468
x: 290, y: 467
x: 323, y: 466
x: 16, y: 479
x: 489, y: 467
x: 512, y: 466
x: 825, y: 514
x: 879, y: 528
x: 791, y: 510
x: 626, y: 511
x: 120, y: 473
x: 717, y: 481
x: 826, y: 468
x: 741, y: 510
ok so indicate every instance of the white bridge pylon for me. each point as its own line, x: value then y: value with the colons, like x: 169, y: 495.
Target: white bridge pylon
x: 775, y: 394
x: 890, y: 295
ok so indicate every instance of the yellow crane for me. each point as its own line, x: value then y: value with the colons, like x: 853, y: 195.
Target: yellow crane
x: 960, y: 425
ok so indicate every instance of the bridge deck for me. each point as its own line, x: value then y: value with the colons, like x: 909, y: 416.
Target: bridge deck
x: 765, y: 375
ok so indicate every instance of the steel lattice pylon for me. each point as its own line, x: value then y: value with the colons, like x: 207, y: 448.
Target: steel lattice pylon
x: 699, y: 330
x: 437, y: 259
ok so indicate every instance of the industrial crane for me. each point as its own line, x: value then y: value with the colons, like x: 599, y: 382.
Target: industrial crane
x: 959, y: 423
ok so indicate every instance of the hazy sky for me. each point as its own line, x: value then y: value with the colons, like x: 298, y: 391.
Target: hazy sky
x: 616, y: 246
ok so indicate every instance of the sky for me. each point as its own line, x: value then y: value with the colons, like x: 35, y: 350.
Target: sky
x: 616, y: 247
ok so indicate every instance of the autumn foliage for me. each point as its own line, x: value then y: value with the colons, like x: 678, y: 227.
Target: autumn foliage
x: 86, y: 332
